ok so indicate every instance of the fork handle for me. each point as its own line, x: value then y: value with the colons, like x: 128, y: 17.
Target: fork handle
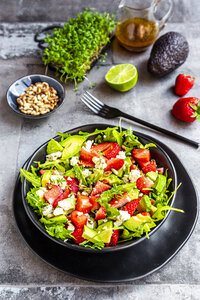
x: 155, y: 127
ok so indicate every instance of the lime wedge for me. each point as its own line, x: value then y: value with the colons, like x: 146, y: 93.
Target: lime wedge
x: 122, y: 77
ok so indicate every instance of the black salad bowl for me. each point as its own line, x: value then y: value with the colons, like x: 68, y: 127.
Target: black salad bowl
x: 19, y: 87
x: 158, y: 153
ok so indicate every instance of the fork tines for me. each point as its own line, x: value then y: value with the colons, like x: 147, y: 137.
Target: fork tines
x: 92, y: 102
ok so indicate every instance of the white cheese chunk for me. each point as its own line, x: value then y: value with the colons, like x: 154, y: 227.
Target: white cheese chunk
x: 58, y: 211
x: 99, y: 162
x: 134, y: 175
x: 121, y: 155
x: 53, y: 156
x: 74, y: 160
x: 47, y: 210
x: 123, y: 216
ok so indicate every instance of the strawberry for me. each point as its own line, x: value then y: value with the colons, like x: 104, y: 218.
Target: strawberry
x: 141, y: 155
x: 145, y: 213
x: 93, y: 201
x: 73, y: 184
x: 52, y: 194
x: 150, y: 166
x: 113, y: 151
x: 114, y: 238
x: 100, y: 187
x: 120, y: 200
x: 53, y: 171
x: 78, y: 235
x: 88, y: 155
x: 187, y: 109
x: 78, y: 218
x: 100, y: 214
x: 83, y: 204
x: 160, y: 170
x: 61, y: 197
x: 132, y: 206
x: 183, y: 84
x: 85, y: 163
x: 114, y: 163
x: 143, y: 184
x: 133, y: 167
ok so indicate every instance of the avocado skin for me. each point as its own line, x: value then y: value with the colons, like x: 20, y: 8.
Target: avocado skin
x: 168, y: 53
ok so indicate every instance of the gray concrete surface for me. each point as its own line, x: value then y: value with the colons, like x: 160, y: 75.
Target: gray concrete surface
x: 22, y: 274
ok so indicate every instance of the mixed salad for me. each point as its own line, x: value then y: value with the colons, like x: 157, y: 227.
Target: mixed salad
x: 98, y: 189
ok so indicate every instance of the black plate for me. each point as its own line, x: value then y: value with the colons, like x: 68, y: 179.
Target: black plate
x: 157, y: 153
x: 128, y: 264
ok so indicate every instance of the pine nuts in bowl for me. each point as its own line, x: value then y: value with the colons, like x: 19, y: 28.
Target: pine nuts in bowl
x: 35, y: 96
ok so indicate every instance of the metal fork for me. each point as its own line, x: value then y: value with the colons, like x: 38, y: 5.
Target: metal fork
x: 108, y: 112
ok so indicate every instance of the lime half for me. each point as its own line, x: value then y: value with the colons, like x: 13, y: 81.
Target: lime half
x: 122, y: 77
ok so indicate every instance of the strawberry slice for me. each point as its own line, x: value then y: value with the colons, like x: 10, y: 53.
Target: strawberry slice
x: 53, y: 171
x: 88, y: 155
x: 114, y: 163
x: 150, y: 166
x: 78, y: 218
x: 132, y: 206
x: 100, y: 187
x: 143, y: 184
x: 133, y: 167
x: 114, y: 238
x: 52, y: 194
x: 85, y: 163
x: 73, y: 184
x: 83, y: 204
x: 160, y: 170
x: 100, y: 214
x: 110, y: 150
x: 145, y: 213
x: 61, y: 197
x: 93, y: 201
x: 141, y: 155
x: 120, y: 200
x: 113, y: 151
x: 78, y: 235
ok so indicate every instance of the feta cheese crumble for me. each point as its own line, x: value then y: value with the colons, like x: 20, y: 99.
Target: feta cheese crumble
x: 70, y: 226
x: 68, y: 205
x: 121, y: 155
x: 86, y: 172
x: 134, y: 175
x: 41, y: 192
x: 99, y: 162
x: 53, y: 156
x: 74, y: 160
x: 58, y: 211
x: 87, y: 146
x: 124, y: 215
x: 58, y: 180
x: 47, y: 210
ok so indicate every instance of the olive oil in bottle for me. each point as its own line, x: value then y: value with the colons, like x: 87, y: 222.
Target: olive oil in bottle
x: 136, y: 34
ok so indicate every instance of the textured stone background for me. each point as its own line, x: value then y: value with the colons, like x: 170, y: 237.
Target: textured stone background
x: 22, y: 274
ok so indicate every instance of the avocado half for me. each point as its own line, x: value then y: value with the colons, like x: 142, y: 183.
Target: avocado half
x: 169, y: 52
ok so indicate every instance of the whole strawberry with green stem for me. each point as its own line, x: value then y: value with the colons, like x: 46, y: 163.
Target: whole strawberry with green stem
x: 183, y: 84
x: 187, y: 109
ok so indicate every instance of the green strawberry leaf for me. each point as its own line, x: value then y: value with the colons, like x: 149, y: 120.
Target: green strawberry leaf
x: 194, y: 115
x: 193, y: 106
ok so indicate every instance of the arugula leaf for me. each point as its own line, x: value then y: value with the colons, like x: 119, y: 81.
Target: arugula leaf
x: 64, y: 135
x: 162, y: 210
x: 96, y: 245
x: 56, y: 164
x: 35, y: 180
x: 34, y: 200
x: 79, y: 175
x: 59, y: 231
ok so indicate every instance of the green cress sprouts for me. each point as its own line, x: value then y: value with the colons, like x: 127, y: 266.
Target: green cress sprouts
x: 73, y: 48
